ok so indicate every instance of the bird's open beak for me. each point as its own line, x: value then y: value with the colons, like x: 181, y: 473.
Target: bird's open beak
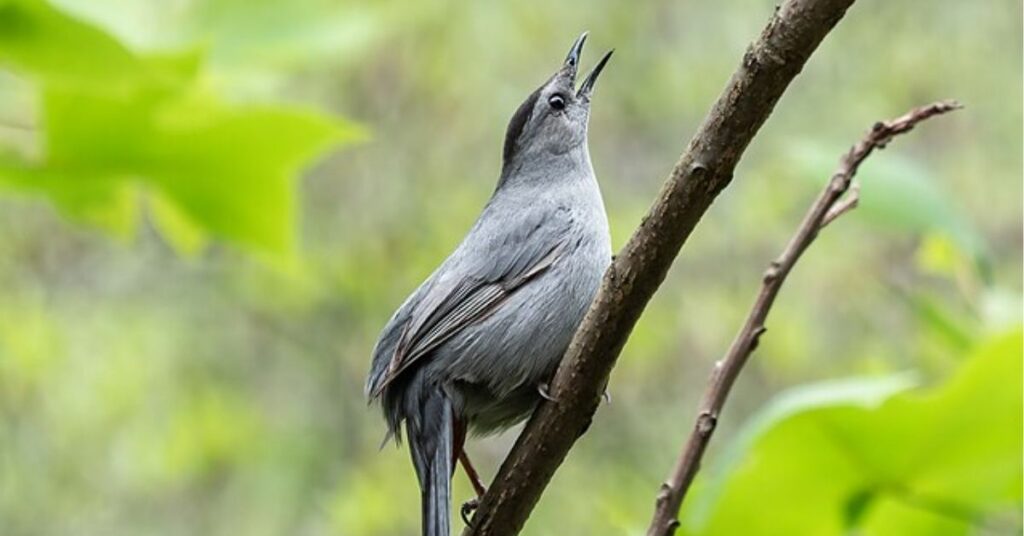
x: 572, y: 64
x: 572, y: 60
x: 588, y: 83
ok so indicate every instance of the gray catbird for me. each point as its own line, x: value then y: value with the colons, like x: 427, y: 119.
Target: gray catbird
x: 473, y: 347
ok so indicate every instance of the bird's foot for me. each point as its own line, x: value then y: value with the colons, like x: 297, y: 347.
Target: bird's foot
x: 467, y: 510
x: 542, y: 388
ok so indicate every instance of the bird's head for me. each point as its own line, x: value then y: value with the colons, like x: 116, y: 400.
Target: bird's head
x: 553, y: 119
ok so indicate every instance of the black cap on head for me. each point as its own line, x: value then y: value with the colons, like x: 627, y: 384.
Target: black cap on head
x: 516, y: 124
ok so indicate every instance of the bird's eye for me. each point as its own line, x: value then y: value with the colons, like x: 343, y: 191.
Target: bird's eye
x: 557, y: 102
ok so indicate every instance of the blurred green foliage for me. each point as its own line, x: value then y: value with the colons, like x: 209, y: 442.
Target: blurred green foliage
x: 880, y: 459
x: 116, y: 126
x: 201, y: 372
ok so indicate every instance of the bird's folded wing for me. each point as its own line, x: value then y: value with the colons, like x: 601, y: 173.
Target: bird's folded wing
x: 447, y: 309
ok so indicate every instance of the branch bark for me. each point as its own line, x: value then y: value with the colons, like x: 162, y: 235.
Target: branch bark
x: 705, y: 168
x: 829, y: 205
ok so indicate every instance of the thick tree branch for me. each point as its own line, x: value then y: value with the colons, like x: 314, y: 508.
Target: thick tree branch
x: 705, y: 168
x: 829, y: 205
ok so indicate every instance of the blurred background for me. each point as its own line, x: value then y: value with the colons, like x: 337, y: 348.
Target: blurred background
x: 209, y: 208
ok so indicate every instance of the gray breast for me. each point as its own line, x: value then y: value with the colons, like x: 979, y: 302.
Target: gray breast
x: 492, y: 369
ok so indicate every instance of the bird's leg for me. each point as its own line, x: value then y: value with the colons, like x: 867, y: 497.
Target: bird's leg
x: 471, y: 505
x: 474, y: 477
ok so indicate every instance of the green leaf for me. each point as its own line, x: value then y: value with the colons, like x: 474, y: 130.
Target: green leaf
x: 37, y: 39
x: 878, y: 458
x: 104, y: 201
x: 115, y: 123
x: 230, y: 170
x: 182, y: 232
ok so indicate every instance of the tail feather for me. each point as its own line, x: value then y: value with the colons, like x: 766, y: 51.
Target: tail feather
x: 431, y: 444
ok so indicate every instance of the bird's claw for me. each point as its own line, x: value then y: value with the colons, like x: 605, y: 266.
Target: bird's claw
x: 467, y: 510
x: 542, y: 388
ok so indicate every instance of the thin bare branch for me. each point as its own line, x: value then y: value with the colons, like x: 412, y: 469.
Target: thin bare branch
x: 844, y: 205
x: 829, y: 205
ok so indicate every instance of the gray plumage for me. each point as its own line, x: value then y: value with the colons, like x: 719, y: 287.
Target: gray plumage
x: 471, y: 346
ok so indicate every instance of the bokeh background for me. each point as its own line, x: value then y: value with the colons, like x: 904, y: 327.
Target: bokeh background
x: 208, y: 209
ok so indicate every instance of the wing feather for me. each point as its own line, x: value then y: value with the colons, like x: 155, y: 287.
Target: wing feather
x: 469, y: 301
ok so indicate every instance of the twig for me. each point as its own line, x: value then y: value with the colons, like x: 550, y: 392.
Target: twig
x: 844, y: 205
x: 703, y: 171
x: 829, y: 205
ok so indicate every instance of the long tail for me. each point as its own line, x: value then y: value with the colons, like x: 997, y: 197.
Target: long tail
x: 431, y: 441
